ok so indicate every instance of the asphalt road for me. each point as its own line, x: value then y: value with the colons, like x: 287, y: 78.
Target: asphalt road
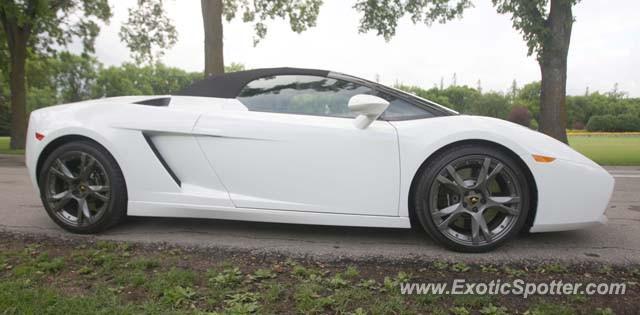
x: 615, y: 243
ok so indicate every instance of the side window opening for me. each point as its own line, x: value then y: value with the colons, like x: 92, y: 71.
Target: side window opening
x: 301, y: 94
x: 399, y: 109
x: 319, y: 96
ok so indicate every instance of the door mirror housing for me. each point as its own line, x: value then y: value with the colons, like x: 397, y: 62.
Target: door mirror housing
x: 368, y: 108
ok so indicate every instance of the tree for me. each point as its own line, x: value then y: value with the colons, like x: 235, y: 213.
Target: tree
x: 38, y: 28
x: 74, y: 76
x: 545, y: 25
x: 529, y: 96
x: 461, y: 98
x: 130, y: 79
x: 301, y: 15
x: 513, y: 92
x: 148, y: 31
x: 491, y: 104
x: 36, y: 25
x: 5, y: 117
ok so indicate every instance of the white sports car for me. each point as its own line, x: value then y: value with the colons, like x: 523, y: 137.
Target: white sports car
x: 310, y: 147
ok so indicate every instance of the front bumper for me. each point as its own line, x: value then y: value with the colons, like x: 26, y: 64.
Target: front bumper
x: 571, y: 195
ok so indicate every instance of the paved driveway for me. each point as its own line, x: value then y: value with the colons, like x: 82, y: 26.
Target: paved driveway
x: 617, y: 243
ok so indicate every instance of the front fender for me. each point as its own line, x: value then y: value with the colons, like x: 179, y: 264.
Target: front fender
x: 419, y: 139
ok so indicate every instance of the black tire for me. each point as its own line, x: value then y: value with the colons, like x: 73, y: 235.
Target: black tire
x: 451, y: 234
x: 112, y: 210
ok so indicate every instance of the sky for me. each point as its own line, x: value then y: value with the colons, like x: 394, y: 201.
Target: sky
x: 482, y: 46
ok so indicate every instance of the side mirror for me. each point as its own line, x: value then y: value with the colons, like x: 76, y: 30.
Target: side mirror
x: 368, y: 108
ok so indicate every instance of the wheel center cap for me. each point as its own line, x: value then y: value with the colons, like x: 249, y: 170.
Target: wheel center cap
x: 473, y: 199
x: 81, y: 190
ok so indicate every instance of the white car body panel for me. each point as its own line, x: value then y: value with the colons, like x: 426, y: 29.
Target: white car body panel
x: 303, y: 163
x: 242, y: 165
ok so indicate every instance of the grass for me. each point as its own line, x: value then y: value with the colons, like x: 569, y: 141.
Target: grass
x: 4, y: 147
x: 45, y: 276
x: 608, y: 149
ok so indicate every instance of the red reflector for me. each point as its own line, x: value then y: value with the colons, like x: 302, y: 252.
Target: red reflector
x: 39, y: 136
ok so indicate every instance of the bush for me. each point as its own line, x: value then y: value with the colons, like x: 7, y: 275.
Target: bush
x: 578, y: 125
x: 520, y: 115
x: 611, y: 123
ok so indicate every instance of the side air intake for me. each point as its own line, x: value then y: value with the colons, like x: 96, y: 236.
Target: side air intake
x: 162, y: 101
x: 161, y: 159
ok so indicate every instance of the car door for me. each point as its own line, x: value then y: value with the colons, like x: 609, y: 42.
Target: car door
x: 298, y: 149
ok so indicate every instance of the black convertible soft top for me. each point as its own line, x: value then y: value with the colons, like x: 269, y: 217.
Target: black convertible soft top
x: 228, y: 85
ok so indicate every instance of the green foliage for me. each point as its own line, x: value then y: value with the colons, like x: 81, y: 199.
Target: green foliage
x: 603, y: 311
x: 130, y: 79
x: 351, y: 272
x: 337, y: 281
x: 552, y: 268
x: 273, y: 292
x: 514, y: 272
x: 301, y: 14
x: 54, y: 24
x: 580, y: 109
x: 494, y: 310
x: 229, y: 277
x: 178, y: 295
x: 18, y: 298
x: 459, y: 310
x: 262, y: 274
x: 66, y: 78
x: 491, y: 104
x: 173, y: 278
x: 528, y: 17
x: 27, y: 288
x: 234, y: 67
x: 242, y: 303
x: 440, y: 265
x: 148, y: 31
x: 5, y: 111
x: 617, y: 123
x: 550, y: 309
x: 51, y: 265
x: 383, y: 16
x: 460, y: 267
x: 308, y: 299
x: 144, y: 264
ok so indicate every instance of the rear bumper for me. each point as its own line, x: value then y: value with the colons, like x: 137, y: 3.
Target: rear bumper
x: 32, y: 149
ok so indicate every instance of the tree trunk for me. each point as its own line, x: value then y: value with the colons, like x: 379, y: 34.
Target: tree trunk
x: 553, y: 67
x: 213, y: 47
x: 17, y: 37
x: 18, y: 88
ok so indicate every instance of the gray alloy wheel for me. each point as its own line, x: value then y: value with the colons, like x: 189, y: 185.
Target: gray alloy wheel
x: 77, y: 188
x: 473, y: 199
x: 82, y: 187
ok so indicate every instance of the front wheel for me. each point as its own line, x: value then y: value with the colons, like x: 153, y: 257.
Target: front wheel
x: 82, y: 188
x: 472, y: 198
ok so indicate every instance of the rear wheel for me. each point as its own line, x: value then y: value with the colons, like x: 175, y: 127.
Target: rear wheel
x: 82, y: 188
x: 472, y: 198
